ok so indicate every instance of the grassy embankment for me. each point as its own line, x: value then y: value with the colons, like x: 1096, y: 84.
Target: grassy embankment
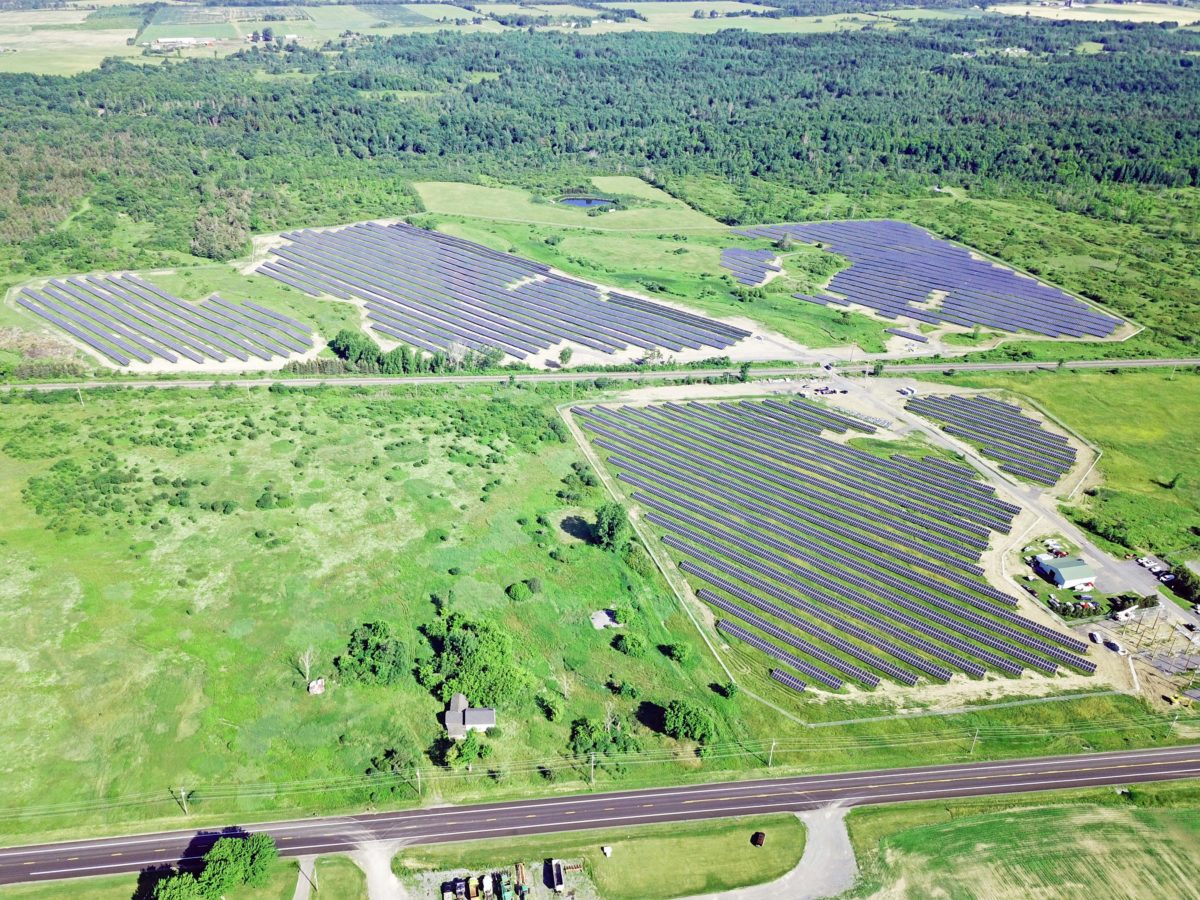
x: 1099, y: 843
x: 651, y: 862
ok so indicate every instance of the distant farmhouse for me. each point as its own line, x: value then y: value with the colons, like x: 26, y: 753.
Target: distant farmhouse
x: 461, y: 718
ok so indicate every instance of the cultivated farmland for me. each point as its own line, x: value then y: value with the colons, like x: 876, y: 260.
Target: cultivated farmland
x: 124, y: 318
x: 837, y: 564
x: 1020, y: 444
x: 900, y: 270
x: 433, y: 291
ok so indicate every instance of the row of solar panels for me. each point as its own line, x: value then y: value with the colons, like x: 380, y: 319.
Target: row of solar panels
x: 1019, y: 443
x: 896, y: 267
x: 749, y: 267
x: 432, y: 291
x: 126, y: 319
x: 807, y: 575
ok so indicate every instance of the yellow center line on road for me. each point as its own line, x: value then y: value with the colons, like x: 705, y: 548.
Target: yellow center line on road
x: 116, y: 854
x: 951, y: 780
x: 492, y: 819
x: 531, y: 816
x: 72, y: 858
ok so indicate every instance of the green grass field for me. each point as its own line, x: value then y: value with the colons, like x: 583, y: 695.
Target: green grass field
x: 1146, y: 425
x: 60, y: 41
x: 653, y: 862
x: 338, y: 877
x: 1092, y: 843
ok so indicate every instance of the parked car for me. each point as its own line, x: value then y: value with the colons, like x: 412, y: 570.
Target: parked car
x: 1094, y: 637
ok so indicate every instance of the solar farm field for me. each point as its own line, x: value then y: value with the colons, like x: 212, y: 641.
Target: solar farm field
x: 126, y: 319
x: 900, y: 270
x: 750, y: 267
x: 433, y: 291
x: 1020, y: 444
x: 837, y: 565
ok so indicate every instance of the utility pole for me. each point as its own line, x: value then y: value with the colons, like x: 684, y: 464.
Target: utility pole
x: 418, y: 782
x: 974, y: 740
x: 183, y: 800
x: 771, y: 756
x: 592, y: 774
x: 80, y: 394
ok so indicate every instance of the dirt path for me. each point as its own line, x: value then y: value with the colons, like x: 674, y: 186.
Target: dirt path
x: 306, y: 879
x: 827, y: 868
x: 375, y: 859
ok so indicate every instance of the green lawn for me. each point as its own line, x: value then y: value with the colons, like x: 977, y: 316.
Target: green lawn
x: 338, y: 877
x: 1092, y: 843
x: 653, y: 862
x: 1147, y: 423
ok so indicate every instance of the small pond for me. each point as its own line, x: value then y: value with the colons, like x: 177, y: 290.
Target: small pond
x: 586, y: 202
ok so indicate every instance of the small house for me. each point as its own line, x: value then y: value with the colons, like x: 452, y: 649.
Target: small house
x: 461, y: 717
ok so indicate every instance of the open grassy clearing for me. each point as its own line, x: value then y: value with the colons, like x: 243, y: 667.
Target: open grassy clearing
x: 679, y: 17
x: 1146, y: 425
x: 653, y: 862
x: 121, y: 887
x: 1105, y: 12
x: 1067, y: 843
x: 343, y: 506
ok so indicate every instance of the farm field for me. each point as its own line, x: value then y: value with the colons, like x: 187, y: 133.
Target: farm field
x: 1105, y: 12
x: 679, y: 17
x: 1059, y: 844
x: 1146, y: 425
x: 60, y: 41
x: 654, y: 862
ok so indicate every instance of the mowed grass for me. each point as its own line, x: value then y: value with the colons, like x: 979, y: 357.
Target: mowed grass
x: 1147, y: 423
x: 1065, y: 844
x: 680, y: 17
x: 652, y: 862
x: 1106, y: 12
x: 281, y: 886
x: 649, y: 209
x: 339, y: 877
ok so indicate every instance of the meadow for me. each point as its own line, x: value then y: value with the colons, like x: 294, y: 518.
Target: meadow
x: 61, y: 41
x: 654, y: 862
x: 1104, y: 843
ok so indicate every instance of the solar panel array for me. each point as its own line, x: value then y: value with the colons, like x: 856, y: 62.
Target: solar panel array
x: 749, y: 267
x: 840, y: 564
x: 433, y: 291
x: 908, y: 335
x: 895, y: 269
x: 1020, y: 445
x: 125, y: 318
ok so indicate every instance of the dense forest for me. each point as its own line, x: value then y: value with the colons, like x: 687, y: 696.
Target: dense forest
x: 200, y: 153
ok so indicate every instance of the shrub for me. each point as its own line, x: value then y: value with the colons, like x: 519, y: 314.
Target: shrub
x: 630, y: 644
x: 685, y: 720
x: 518, y: 591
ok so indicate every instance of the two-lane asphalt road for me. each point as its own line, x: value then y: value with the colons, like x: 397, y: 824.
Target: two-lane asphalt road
x: 106, y: 856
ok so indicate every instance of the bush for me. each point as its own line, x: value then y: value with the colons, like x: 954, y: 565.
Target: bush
x: 612, y: 526
x: 685, y: 720
x: 630, y: 644
x: 680, y: 653
x: 519, y: 591
x: 373, y: 656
